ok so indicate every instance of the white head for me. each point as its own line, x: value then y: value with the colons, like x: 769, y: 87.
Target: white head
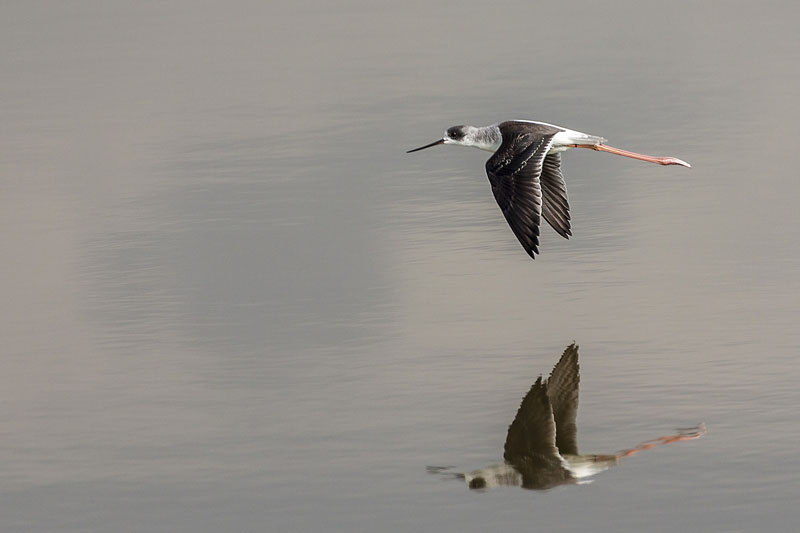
x: 462, y: 135
x: 486, y: 138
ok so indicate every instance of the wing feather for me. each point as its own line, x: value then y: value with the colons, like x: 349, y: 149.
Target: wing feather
x: 514, y: 172
x: 555, y: 209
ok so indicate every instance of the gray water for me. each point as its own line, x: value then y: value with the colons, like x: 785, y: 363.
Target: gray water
x: 231, y: 302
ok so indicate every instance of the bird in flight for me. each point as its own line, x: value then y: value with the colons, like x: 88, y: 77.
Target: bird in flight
x: 525, y: 171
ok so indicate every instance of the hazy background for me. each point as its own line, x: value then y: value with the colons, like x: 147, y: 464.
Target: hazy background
x: 231, y: 302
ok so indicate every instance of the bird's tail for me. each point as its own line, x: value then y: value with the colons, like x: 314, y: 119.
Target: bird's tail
x: 585, y: 138
x: 572, y: 137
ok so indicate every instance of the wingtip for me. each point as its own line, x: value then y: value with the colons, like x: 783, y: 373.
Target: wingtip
x: 531, y: 251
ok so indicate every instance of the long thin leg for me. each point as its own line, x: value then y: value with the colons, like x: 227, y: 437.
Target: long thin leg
x: 634, y: 155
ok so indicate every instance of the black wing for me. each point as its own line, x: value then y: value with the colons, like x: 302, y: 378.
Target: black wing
x: 555, y: 208
x: 514, y: 172
x: 562, y: 390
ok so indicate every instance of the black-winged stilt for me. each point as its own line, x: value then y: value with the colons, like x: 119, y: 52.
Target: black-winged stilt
x: 525, y: 171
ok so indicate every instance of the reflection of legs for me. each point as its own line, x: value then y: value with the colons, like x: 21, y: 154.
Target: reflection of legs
x: 683, y: 434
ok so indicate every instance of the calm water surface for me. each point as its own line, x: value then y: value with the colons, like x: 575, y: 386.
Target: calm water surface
x: 233, y: 303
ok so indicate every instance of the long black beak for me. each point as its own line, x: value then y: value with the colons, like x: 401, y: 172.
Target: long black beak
x: 440, y: 141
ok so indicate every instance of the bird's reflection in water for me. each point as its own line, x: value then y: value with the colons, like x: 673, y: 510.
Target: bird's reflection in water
x: 541, y: 448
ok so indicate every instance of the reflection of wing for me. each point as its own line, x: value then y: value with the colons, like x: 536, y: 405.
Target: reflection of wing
x: 531, y: 442
x: 533, y: 431
x: 562, y: 389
